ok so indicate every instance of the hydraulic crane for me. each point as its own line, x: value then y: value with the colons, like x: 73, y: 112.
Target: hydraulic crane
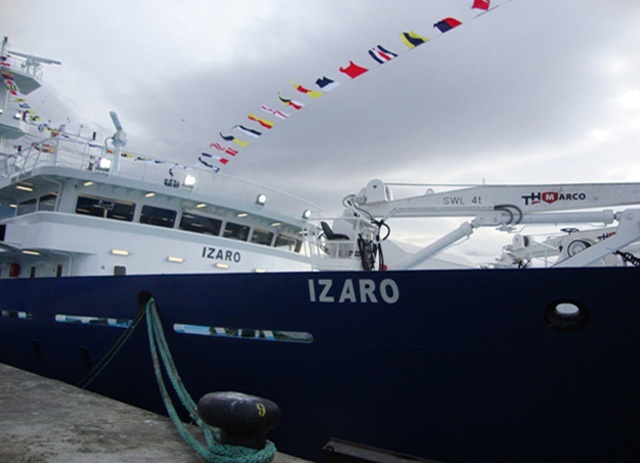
x: 506, y: 207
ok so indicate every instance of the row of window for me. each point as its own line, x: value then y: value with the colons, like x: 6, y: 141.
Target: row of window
x: 43, y: 203
x: 160, y: 217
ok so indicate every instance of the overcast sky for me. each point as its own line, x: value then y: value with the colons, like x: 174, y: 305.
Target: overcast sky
x: 535, y: 91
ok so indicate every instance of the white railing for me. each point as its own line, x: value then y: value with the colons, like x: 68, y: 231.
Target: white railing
x: 20, y: 65
x: 74, y: 152
x: 325, y: 252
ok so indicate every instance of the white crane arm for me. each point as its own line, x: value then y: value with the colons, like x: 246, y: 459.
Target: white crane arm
x: 519, y: 201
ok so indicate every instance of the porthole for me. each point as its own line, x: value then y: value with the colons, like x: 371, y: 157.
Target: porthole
x: 566, y: 316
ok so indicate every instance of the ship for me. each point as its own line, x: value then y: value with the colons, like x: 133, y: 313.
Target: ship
x: 393, y: 352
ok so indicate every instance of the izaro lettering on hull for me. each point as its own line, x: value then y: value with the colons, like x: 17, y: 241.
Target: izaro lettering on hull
x: 362, y: 290
x: 225, y: 255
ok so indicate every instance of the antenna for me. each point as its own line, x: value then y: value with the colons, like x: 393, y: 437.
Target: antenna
x: 116, y: 121
x: 33, y: 60
x: 119, y: 139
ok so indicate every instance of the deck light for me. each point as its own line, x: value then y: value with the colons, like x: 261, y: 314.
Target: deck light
x: 120, y: 252
x: 24, y: 188
x: 306, y: 214
x: 87, y: 183
x: 201, y: 205
x: 177, y: 260
x: 104, y: 164
x: 30, y: 253
x: 261, y: 199
x: 242, y: 214
x: 189, y: 180
x: 150, y: 194
x: 222, y: 266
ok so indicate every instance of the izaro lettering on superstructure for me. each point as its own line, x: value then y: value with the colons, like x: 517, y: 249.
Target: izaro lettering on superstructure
x: 226, y: 255
x: 362, y: 290
x: 551, y: 197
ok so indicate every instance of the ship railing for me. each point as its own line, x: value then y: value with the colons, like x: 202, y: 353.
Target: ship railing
x: 331, y: 251
x: 13, y: 121
x: 14, y: 110
x: 7, y: 165
x: 20, y: 65
x: 78, y: 153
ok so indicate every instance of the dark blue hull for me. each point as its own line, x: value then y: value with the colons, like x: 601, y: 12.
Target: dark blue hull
x: 457, y: 366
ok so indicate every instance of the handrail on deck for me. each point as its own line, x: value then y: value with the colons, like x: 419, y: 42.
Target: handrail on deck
x: 74, y: 152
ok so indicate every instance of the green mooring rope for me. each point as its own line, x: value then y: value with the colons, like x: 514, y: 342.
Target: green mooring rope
x: 214, y: 451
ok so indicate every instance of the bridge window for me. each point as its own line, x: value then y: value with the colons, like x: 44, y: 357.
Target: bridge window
x: 105, y: 207
x: 236, y: 231
x: 289, y: 243
x: 27, y: 207
x: 48, y: 202
x: 262, y: 237
x: 158, y: 216
x: 200, y: 224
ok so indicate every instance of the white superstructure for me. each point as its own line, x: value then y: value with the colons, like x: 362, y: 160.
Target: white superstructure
x: 72, y: 205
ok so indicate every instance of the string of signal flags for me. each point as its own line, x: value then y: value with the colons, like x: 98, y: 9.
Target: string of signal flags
x: 266, y: 118
x: 219, y: 153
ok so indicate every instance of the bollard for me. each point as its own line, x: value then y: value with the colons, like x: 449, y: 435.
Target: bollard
x: 242, y: 419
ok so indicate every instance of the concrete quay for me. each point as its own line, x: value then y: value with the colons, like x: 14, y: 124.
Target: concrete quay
x: 47, y: 421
